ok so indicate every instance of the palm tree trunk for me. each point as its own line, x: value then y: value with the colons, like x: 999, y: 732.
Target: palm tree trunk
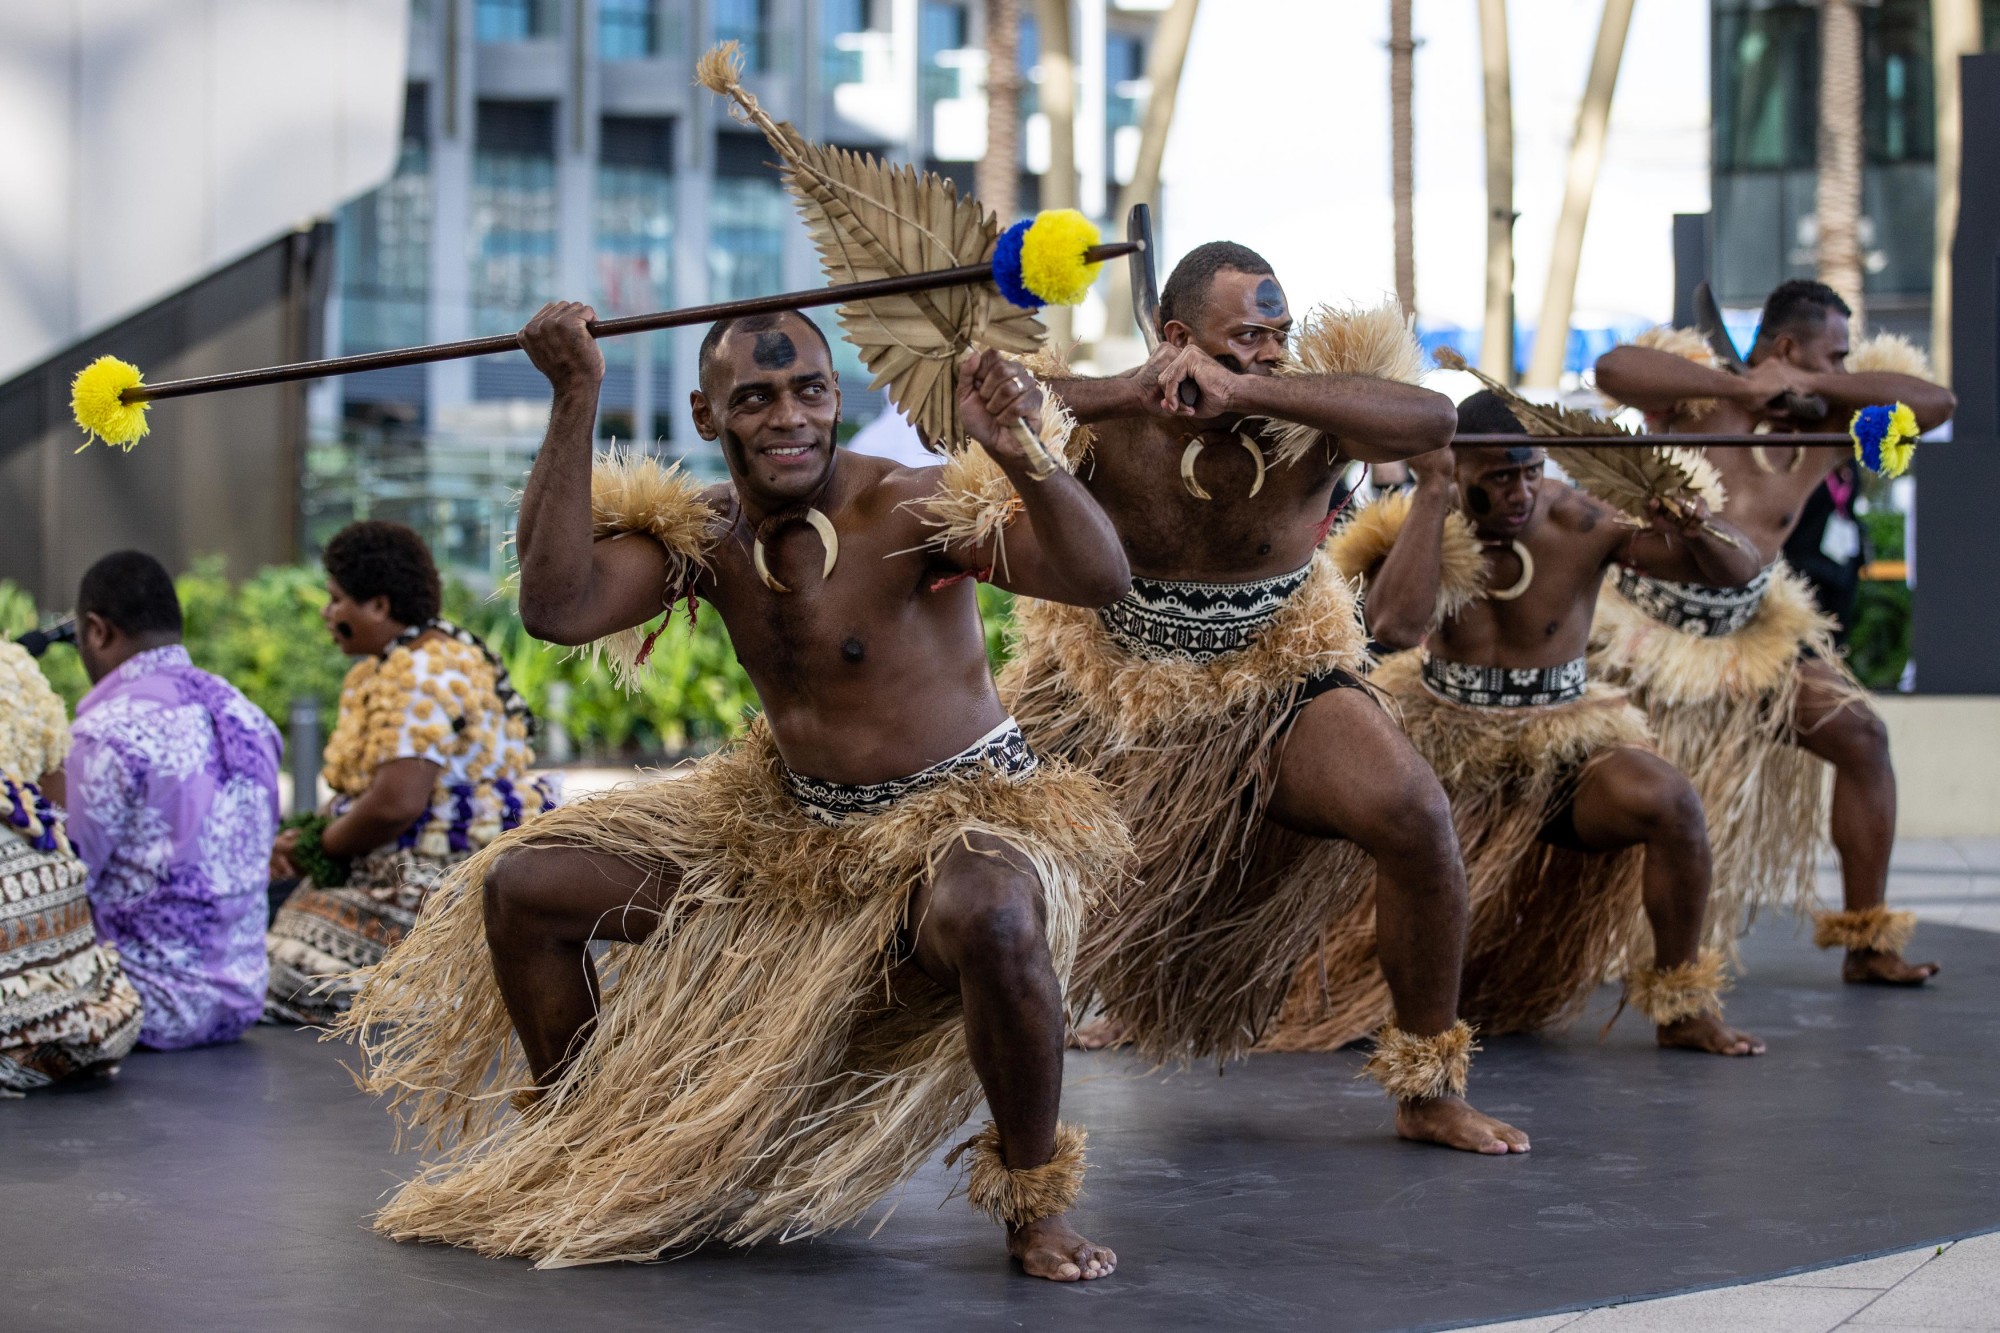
x: 1496, y: 342
x: 1058, y: 97
x: 1586, y: 155
x: 1402, y: 172
x: 1954, y: 33
x: 1164, y: 61
x: 1839, y: 196
x: 997, y: 181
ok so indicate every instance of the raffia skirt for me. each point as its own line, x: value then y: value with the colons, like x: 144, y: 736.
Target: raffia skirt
x: 1193, y: 957
x: 762, y: 1064
x: 1721, y: 711
x: 1547, y: 921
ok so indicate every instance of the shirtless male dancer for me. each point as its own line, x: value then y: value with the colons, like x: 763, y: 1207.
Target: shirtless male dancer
x: 821, y: 934
x: 1809, y: 702
x: 1222, y: 701
x: 1538, y: 760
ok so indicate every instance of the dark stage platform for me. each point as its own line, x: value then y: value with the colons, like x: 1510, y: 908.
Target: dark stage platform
x: 228, y: 1188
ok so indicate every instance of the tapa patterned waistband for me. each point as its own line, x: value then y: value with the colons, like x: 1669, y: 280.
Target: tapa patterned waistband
x: 1505, y: 687
x: 1173, y: 618
x: 1695, y: 607
x: 1004, y: 749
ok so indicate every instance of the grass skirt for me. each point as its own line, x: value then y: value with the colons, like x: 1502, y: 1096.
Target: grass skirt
x: 760, y: 1066
x: 1547, y: 922
x: 1721, y: 711
x: 1193, y: 957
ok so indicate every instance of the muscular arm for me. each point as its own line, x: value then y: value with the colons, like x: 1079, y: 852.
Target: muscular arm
x: 1656, y: 381
x: 1847, y: 394
x: 1703, y: 549
x: 1402, y: 595
x: 1091, y: 400
x: 573, y: 588
x: 1062, y: 548
x: 1375, y: 420
x: 399, y: 793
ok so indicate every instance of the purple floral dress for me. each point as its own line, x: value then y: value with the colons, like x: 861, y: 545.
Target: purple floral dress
x: 173, y: 803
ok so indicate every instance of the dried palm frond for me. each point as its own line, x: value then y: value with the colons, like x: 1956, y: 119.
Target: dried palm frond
x: 1346, y: 340
x: 871, y: 220
x: 1629, y: 478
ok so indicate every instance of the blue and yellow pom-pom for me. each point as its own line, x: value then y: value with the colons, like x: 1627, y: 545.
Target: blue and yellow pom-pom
x: 1041, y: 262
x: 103, y: 414
x: 1885, y: 438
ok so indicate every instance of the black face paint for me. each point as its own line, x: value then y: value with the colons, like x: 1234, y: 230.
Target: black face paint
x: 1270, y: 299
x: 774, y: 350
x: 343, y: 629
x: 1229, y: 363
x: 1478, y: 499
x: 1520, y: 453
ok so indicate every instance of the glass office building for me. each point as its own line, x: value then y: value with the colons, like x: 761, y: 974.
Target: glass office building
x: 560, y: 149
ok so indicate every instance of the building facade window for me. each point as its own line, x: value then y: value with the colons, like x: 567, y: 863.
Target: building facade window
x: 384, y: 240
x: 628, y: 29
x: 513, y: 20
x: 839, y: 55
x: 748, y: 216
x: 942, y: 27
x: 748, y: 24
x: 634, y: 228
x: 513, y: 198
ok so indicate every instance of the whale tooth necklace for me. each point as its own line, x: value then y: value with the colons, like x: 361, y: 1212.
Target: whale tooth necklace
x: 813, y: 517
x: 1519, y: 585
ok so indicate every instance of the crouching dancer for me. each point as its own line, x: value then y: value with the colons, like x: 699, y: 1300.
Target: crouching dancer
x: 828, y: 939
x: 1569, y: 822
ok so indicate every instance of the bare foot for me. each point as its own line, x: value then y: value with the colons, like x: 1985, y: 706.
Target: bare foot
x: 1453, y: 1122
x: 1877, y: 967
x: 1099, y: 1034
x: 1051, y: 1248
x: 1706, y: 1032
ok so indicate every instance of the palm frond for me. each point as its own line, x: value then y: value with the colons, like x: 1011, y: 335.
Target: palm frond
x: 869, y: 219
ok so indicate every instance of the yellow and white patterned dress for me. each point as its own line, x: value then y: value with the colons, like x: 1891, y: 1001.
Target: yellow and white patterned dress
x: 433, y: 696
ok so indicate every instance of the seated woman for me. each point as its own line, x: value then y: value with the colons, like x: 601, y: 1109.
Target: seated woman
x: 66, y: 1007
x: 428, y: 763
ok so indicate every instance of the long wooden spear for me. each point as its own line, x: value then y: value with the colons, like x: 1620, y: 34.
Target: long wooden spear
x: 109, y: 395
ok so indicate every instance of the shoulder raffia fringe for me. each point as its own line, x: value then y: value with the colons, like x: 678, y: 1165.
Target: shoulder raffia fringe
x: 1364, y: 542
x: 1017, y: 1197
x: 1413, y: 1068
x: 1193, y: 957
x: 1891, y: 353
x: 1684, y: 991
x: 760, y: 1064
x: 631, y: 493
x: 1379, y: 341
x: 1546, y: 921
x: 975, y: 501
x: 1877, y: 928
x: 1721, y: 711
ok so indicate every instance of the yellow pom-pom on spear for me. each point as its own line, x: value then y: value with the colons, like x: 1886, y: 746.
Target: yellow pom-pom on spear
x: 96, y: 397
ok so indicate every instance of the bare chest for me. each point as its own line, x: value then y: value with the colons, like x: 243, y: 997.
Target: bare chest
x: 1211, y: 505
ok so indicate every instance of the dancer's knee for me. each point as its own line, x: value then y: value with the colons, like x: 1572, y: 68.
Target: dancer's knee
x: 986, y: 918
x: 508, y: 897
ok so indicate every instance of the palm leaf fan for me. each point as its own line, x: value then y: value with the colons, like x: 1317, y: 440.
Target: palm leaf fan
x: 1629, y: 478
x: 871, y: 220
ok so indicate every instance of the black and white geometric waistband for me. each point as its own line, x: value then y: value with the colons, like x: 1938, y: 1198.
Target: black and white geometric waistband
x: 1696, y: 607
x: 1505, y: 687
x: 1164, y: 618
x: 1003, y: 749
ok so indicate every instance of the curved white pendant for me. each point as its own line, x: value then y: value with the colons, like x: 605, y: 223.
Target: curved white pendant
x: 1520, y: 585
x: 1763, y: 460
x: 1193, y: 451
x: 828, y: 538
